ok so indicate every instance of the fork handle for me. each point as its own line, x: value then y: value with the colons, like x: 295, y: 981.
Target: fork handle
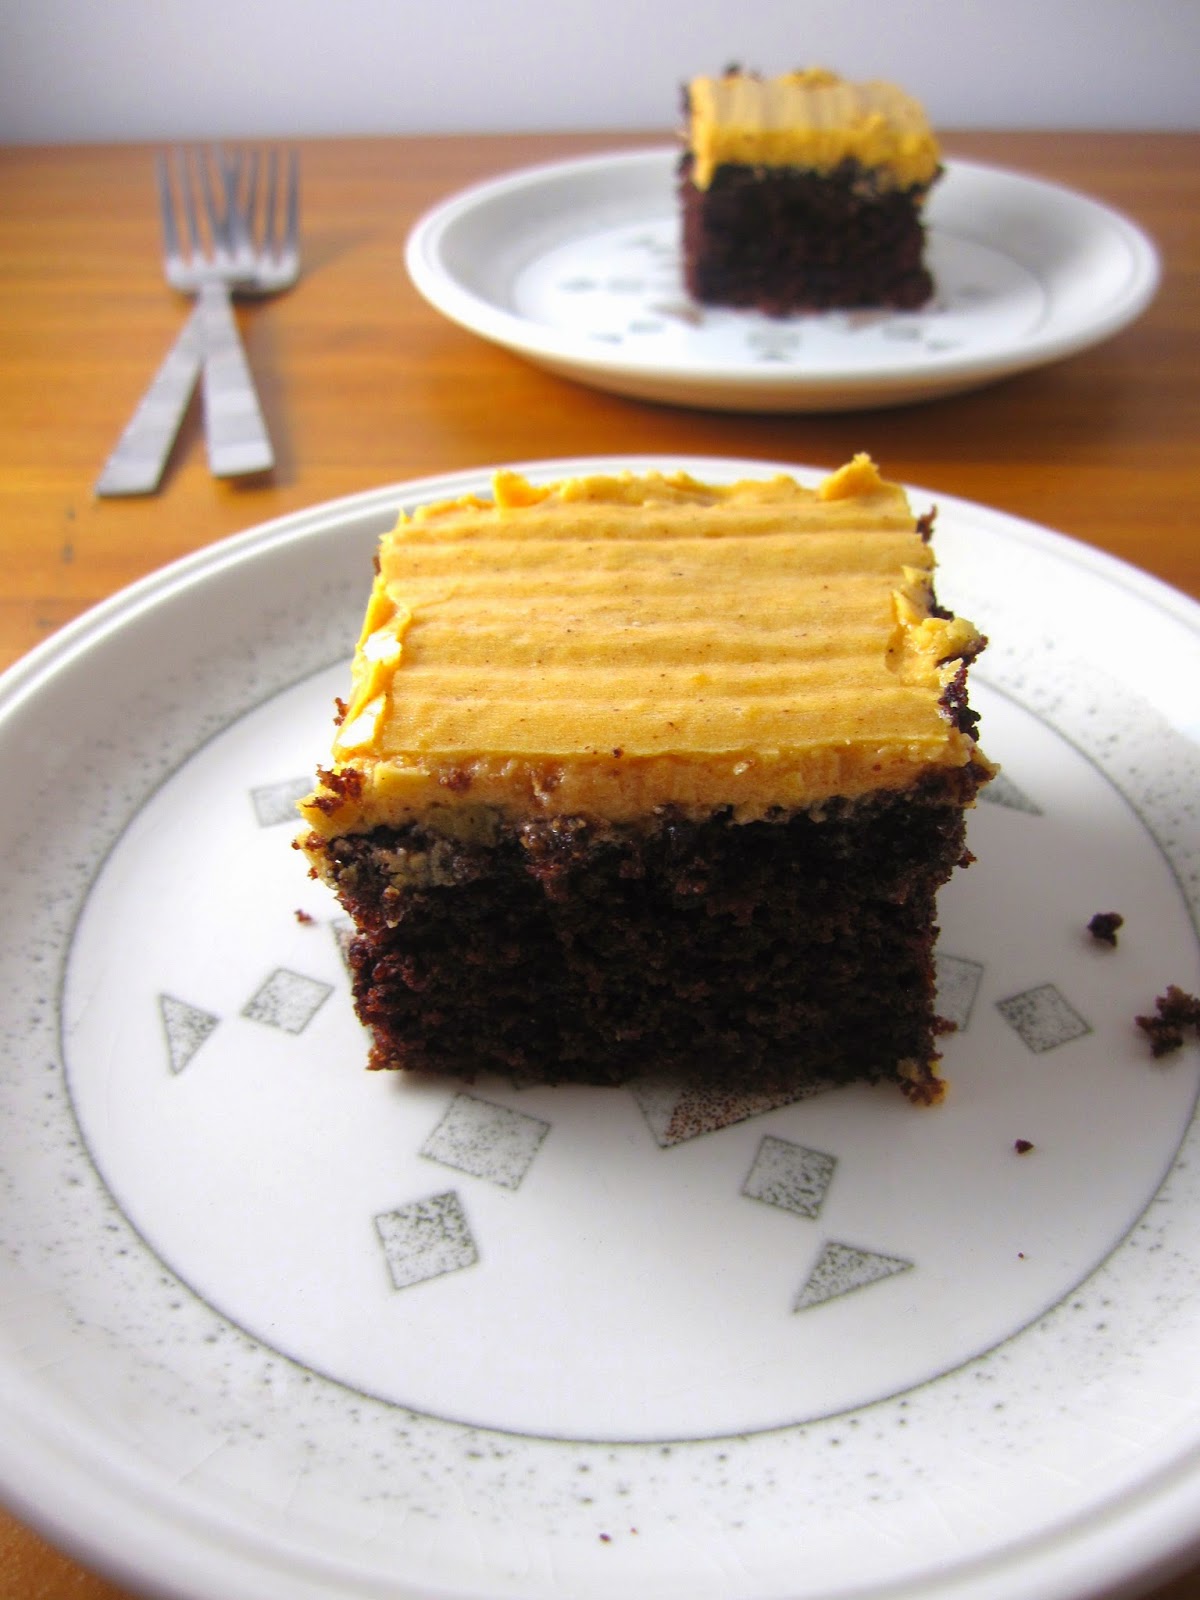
x: 233, y: 419
x: 137, y: 463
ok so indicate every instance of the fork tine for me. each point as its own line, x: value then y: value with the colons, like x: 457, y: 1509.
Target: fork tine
x: 270, y: 211
x: 291, y: 238
x: 166, y: 206
x: 218, y: 214
x: 229, y: 168
x: 239, y: 214
x: 187, y: 183
x: 248, y: 202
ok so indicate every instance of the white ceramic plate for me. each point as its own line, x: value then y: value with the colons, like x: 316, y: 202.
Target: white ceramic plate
x: 575, y: 265
x: 272, y: 1327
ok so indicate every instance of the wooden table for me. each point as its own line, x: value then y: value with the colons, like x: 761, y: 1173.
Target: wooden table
x: 364, y: 385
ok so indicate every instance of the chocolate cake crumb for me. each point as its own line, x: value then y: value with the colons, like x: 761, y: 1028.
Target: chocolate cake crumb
x: 304, y: 916
x: 345, y: 783
x: 954, y: 698
x: 789, y: 240
x: 1176, y: 1011
x: 577, y: 951
x: 1023, y: 1146
x: 1103, y: 927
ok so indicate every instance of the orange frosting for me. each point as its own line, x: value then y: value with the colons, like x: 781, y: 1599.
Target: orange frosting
x: 810, y: 119
x: 607, y: 645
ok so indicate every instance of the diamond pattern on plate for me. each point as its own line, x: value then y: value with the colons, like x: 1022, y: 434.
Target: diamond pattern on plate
x: 841, y: 1268
x: 186, y: 1027
x: 679, y: 311
x: 958, y: 981
x: 675, y: 1112
x: 1002, y: 791
x: 287, y: 1000
x: 426, y: 1239
x: 486, y: 1140
x: 276, y: 802
x: 1043, y: 1018
x: 773, y: 344
x: 790, y: 1176
x: 343, y: 932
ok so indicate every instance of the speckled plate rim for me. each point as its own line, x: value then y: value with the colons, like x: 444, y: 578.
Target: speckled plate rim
x: 747, y: 386
x: 83, y: 1496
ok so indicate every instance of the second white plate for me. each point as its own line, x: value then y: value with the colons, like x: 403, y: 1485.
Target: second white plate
x: 575, y: 265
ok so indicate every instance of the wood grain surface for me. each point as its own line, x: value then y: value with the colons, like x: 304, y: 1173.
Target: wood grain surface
x: 363, y: 385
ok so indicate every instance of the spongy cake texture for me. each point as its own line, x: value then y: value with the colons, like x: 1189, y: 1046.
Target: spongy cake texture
x: 638, y: 774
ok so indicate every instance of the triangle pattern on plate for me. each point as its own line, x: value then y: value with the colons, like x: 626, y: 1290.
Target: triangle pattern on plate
x: 677, y: 1112
x: 186, y: 1027
x: 842, y: 1268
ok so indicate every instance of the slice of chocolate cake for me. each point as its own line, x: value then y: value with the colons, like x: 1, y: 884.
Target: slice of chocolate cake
x: 805, y: 192
x: 640, y: 774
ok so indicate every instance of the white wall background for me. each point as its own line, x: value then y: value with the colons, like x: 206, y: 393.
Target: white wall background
x: 85, y: 70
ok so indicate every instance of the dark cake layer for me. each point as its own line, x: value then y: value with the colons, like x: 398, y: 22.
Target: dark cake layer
x: 760, y: 955
x: 784, y: 239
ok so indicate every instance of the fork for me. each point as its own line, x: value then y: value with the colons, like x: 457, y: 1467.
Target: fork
x: 236, y: 245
